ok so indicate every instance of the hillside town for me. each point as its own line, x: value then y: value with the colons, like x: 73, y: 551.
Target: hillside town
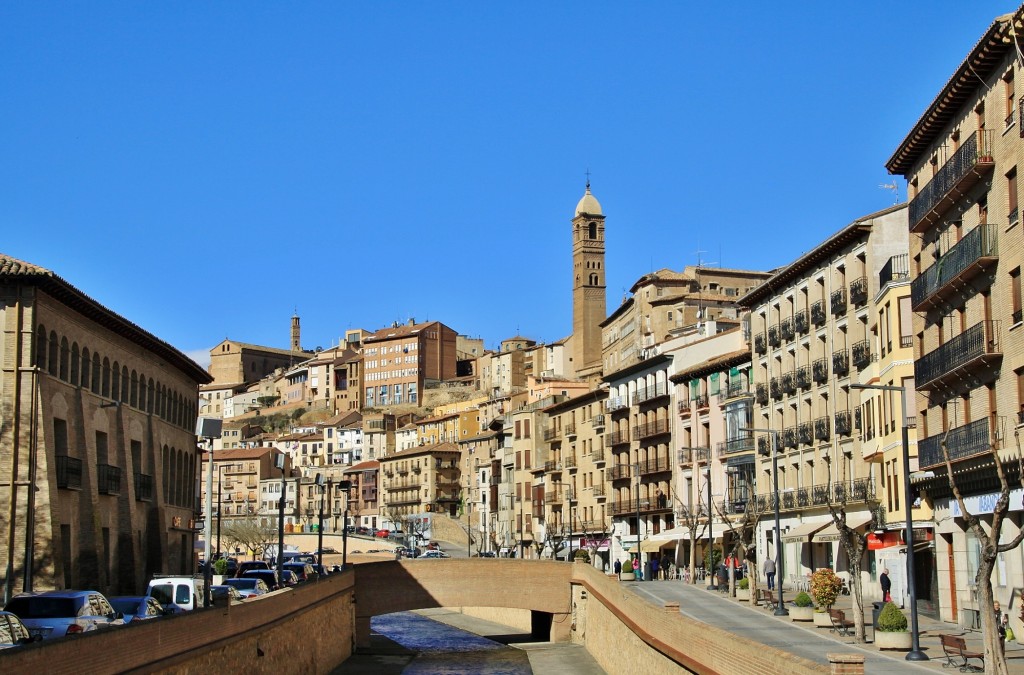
x: 849, y: 408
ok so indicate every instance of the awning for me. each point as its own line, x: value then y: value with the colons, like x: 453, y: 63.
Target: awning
x: 651, y: 546
x: 801, y: 533
x: 831, y: 533
x: 672, y: 535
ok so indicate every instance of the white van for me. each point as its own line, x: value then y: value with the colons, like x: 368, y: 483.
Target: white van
x: 177, y: 591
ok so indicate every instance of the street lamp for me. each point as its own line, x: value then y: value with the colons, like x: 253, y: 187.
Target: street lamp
x: 711, y: 533
x: 346, y: 487
x: 321, y: 489
x: 639, y: 560
x: 780, y: 608
x: 280, y: 520
x: 915, y: 653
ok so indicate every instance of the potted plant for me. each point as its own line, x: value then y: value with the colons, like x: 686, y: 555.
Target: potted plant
x: 892, y: 629
x: 712, y: 559
x: 803, y: 607
x: 825, y: 588
x: 581, y: 556
x: 743, y: 589
x: 220, y: 571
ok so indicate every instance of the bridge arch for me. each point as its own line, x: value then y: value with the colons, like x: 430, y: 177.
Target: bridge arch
x: 543, y: 587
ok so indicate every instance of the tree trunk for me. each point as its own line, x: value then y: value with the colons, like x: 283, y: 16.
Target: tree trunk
x: 995, y: 660
x: 693, y: 561
x: 857, y: 591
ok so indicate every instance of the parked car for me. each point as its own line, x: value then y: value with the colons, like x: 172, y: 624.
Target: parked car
x: 435, y: 554
x: 288, y: 578
x: 433, y: 546
x: 13, y: 632
x: 178, y: 591
x: 54, y: 614
x: 138, y: 607
x: 225, y: 594
x: 247, y: 565
x: 297, y: 556
x: 303, y: 570
x: 383, y: 534
x: 269, y: 577
x: 326, y: 550
x: 248, y: 587
x: 407, y: 552
x: 363, y: 530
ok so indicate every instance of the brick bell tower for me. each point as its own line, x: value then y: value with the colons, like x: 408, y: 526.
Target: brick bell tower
x: 588, y: 286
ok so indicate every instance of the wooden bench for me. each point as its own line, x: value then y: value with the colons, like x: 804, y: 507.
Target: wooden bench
x: 840, y: 624
x: 767, y: 598
x: 955, y: 649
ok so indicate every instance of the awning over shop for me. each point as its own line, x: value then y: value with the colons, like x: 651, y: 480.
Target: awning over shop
x: 672, y: 535
x: 651, y: 546
x: 801, y: 533
x: 831, y: 533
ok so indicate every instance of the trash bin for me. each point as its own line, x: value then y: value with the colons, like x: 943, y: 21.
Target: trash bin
x: 876, y: 610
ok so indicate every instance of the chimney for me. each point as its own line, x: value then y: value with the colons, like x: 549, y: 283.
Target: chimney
x: 296, y: 343
x: 412, y: 321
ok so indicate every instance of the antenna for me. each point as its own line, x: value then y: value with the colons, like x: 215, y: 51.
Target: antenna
x: 895, y: 191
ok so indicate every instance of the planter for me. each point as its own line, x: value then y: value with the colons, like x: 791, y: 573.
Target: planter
x: 218, y: 579
x: 822, y: 620
x: 743, y: 594
x: 801, y: 613
x: 899, y: 640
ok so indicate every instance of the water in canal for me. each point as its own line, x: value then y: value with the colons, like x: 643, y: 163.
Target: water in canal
x: 418, y: 645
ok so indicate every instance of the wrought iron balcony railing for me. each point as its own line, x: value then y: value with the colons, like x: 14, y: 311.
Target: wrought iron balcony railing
x: 143, y: 487
x: 617, y: 437
x: 651, y: 429
x: 805, y: 433
x: 821, y: 428
x: 619, y: 472
x: 775, y: 386
x: 840, y: 362
x: 962, y: 442
x: 702, y: 402
x: 837, y: 302
x: 844, y: 423
x: 761, y: 394
x: 691, y: 455
x: 965, y: 260
x: 788, y: 437
x: 818, y: 313
x: 802, y: 377
x: 819, y: 370
x: 969, y: 163
x: 859, y: 291
x: 655, y: 465
x: 760, y: 343
x: 654, y: 391
x: 800, y: 322
x: 774, y: 337
x: 786, y: 329
x: 897, y: 268
x: 108, y: 479
x: 737, y: 387
x: 969, y: 351
x: 735, y: 446
x: 788, y: 383
x: 862, y: 355
x: 764, y: 445
x: 69, y: 472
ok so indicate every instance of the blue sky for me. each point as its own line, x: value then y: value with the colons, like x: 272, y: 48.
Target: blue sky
x: 207, y: 169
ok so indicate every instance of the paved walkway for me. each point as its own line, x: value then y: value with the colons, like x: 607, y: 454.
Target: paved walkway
x: 804, y: 639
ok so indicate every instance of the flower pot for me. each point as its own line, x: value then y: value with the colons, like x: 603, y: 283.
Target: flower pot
x: 218, y: 579
x: 743, y: 594
x: 801, y: 613
x: 900, y: 640
x: 822, y: 620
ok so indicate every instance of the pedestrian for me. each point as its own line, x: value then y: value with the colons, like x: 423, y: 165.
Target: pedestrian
x: 618, y: 569
x: 654, y: 568
x: 638, y: 574
x: 666, y: 564
x: 1001, y: 620
x: 886, y: 585
x: 769, y: 573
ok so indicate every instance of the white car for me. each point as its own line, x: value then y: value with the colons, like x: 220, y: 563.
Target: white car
x: 435, y: 554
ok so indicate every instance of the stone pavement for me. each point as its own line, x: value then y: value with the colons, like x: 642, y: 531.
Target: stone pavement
x: 803, y: 638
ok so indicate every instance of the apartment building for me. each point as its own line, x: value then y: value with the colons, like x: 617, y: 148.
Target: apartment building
x: 400, y: 361
x: 363, y: 499
x: 570, y: 499
x: 379, y: 435
x: 810, y: 322
x: 423, y: 479
x: 960, y: 160
x: 477, y: 487
x: 233, y: 362
x: 98, y: 455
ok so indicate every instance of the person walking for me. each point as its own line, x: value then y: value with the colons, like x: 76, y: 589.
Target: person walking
x: 666, y: 564
x: 769, y: 573
x: 886, y: 584
x: 654, y: 568
x: 638, y: 573
x: 618, y: 570
x: 1001, y: 621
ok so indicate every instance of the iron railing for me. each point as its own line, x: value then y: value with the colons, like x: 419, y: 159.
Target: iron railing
x: 108, y: 479
x: 818, y: 312
x: 760, y: 343
x: 617, y: 437
x: 786, y: 329
x: 969, y: 440
x: 800, y: 322
x: 859, y: 291
x: 143, y: 487
x: 897, y: 268
x: 802, y: 377
x: 690, y: 455
x: 821, y: 428
x: 656, y: 390
x: 974, y: 153
x: 651, y: 429
x: 844, y: 423
x: 966, y: 259
x: 840, y: 362
x: 775, y: 386
x: 862, y: 353
x: 774, y: 337
x: 761, y: 393
x: 735, y: 445
x: 805, y: 433
x: 974, y: 344
x: 788, y: 382
x: 69, y: 472
x: 837, y: 302
x: 619, y: 471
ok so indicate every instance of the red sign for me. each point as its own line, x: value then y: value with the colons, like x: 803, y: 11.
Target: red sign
x: 874, y: 542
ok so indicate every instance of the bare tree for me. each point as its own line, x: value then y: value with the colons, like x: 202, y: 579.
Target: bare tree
x: 743, y: 530
x: 594, y: 533
x: 695, y: 520
x: 995, y: 659
x: 252, y: 532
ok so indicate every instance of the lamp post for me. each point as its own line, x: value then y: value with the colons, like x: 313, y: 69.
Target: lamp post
x: 636, y: 472
x: 780, y: 607
x: 346, y: 487
x: 280, y: 520
x: 321, y: 489
x: 220, y: 503
x: 915, y: 653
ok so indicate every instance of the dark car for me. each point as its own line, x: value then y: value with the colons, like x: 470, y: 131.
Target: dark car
x: 225, y: 595
x: 363, y: 530
x: 303, y: 570
x: 13, y: 632
x: 247, y: 587
x: 138, y: 607
x: 247, y: 565
x: 269, y: 577
x: 54, y: 614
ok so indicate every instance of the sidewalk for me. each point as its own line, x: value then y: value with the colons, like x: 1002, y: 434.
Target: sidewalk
x: 803, y: 638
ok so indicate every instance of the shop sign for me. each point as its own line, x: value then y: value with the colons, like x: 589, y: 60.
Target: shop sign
x: 981, y: 504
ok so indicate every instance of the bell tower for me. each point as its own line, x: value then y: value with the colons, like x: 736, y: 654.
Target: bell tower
x: 588, y: 285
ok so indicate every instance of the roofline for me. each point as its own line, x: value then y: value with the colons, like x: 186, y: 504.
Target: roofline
x: 638, y: 367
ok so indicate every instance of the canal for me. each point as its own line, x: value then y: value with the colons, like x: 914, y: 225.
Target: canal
x: 444, y: 642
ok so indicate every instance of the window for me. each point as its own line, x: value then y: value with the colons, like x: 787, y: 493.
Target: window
x: 1011, y: 196
x: 1008, y: 91
x: 1015, y: 294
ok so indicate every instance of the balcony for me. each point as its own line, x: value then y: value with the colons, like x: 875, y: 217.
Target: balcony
x: 859, y: 291
x: 737, y: 388
x: 683, y: 407
x: 837, y: 302
x: 819, y: 370
x: 417, y: 469
x: 552, y: 467
x: 143, y: 487
x: 821, y: 429
x: 569, y: 461
x: 617, y: 437
x: 108, y: 479
x: 761, y: 394
x: 840, y: 362
x: 775, y: 387
x: 967, y: 259
x: 844, y: 423
x: 615, y: 403
x: 552, y: 434
x: 970, y: 440
x: 570, y: 431
x: 597, y: 455
x: 760, y: 343
x: 788, y: 383
x: 735, y: 446
x: 800, y: 322
x: 862, y: 356
x: 657, y: 390
x: 691, y: 455
x: 69, y: 472
x: 805, y: 433
x: 494, y: 480
x: 764, y: 445
x: 802, y: 377
x: 896, y: 269
x: 703, y: 402
x: 786, y: 329
x: 619, y: 472
x: 597, y: 422
x: 774, y: 338
x: 655, y: 465
x: 972, y: 161
x: 818, y: 313
x: 598, y: 491
x: 654, y: 428
x: 861, y: 490
x: 975, y: 349
x: 788, y: 437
